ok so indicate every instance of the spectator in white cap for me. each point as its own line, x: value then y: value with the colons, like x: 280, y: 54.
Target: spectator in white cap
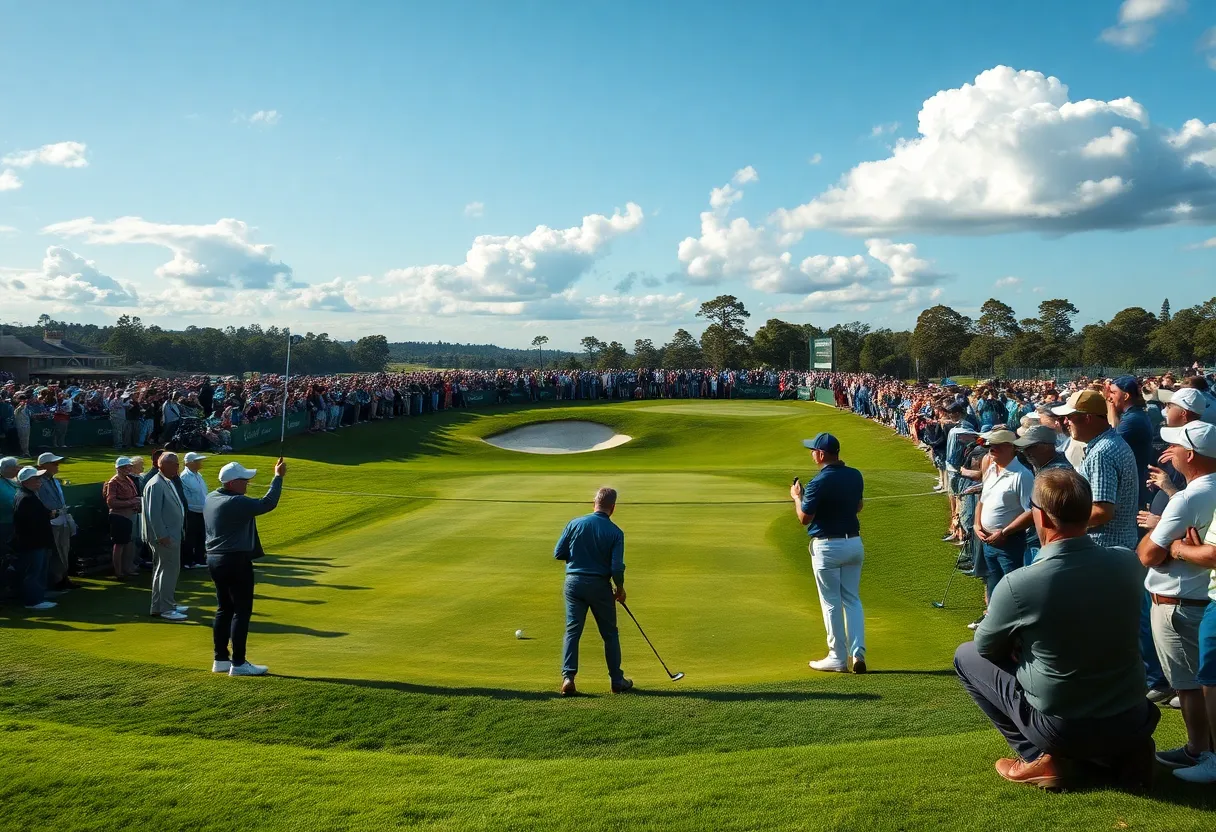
x: 194, y: 543
x: 32, y: 539
x: 1000, y: 519
x: 1178, y: 589
x: 122, y: 499
x: 164, y: 518
x: 62, y: 525
x: 1190, y: 401
x: 232, y: 545
x: 1038, y: 445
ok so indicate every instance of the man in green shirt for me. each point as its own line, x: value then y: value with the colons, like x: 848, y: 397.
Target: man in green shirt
x: 1056, y: 663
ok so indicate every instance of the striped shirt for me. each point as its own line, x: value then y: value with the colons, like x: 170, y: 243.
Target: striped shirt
x: 1110, y: 467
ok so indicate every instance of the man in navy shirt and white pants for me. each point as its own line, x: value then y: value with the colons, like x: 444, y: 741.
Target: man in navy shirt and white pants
x: 828, y: 507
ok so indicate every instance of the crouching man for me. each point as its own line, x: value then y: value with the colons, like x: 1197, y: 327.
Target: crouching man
x: 1056, y: 663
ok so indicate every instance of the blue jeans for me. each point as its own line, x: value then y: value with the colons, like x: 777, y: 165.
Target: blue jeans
x: 582, y: 593
x: 31, y: 576
x: 1153, y: 672
x: 1003, y: 559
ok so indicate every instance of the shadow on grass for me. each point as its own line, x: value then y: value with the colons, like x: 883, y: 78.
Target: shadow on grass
x: 531, y: 695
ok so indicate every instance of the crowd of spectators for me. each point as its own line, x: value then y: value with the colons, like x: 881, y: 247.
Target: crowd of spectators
x: 199, y: 412
x: 1146, y: 451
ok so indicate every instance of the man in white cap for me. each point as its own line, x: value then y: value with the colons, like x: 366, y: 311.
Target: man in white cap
x: 122, y: 499
x: 32, y: 540
x: 1178, y: 589
x: 1038, y: 445
x: 194, y: 543
x: 164, y: 518
x: 52, y: 496
x: 1000, y: 518
x: 232, y: 545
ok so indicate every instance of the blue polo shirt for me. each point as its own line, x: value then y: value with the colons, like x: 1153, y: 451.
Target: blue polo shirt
x: 833, y: 496
x: 594, y: 546
x: 1137, y: 431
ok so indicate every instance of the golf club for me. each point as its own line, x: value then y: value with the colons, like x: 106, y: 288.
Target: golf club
x: 941, y: 605
x: 675, y: 677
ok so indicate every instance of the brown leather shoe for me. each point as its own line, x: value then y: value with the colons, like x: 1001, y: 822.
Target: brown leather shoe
x: 1043, y: 772
x: 568, y: 687
x: 625, y: 686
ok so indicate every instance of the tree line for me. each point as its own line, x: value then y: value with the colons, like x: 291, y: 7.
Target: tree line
x: 232, y: 350
x: 944, y: 341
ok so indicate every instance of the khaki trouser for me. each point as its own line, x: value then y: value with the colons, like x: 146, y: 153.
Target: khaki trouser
x: 166, y: 564
x: 57, y: 561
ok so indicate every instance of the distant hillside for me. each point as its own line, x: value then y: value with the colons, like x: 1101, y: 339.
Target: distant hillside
x: 467, y: 356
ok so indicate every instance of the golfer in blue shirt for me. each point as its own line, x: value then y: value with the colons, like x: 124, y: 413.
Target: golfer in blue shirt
x: 593, y: 548
x: 828, y: 507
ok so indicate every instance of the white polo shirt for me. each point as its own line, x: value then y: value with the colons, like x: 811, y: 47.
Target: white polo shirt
x: 1006, y: 494
x: 1191, y: 507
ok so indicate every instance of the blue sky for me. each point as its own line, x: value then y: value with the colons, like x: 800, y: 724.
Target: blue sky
x: 386, y: 167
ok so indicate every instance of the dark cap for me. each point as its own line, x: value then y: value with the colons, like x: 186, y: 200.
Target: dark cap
x: 1128, y: 384
x: 823, y: 442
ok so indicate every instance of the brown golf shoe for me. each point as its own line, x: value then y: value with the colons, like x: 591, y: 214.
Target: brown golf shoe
x: 1043, y: 772
x: 568, y: 688
x: 625, y: 686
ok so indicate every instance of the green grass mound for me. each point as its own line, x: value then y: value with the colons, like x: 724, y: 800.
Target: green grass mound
x: 404, y: 557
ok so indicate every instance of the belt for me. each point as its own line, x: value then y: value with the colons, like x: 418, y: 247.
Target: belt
x: 1167, y: 600
x: 836, y: 536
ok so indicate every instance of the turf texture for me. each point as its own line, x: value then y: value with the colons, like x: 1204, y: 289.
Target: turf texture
x: 404, y: 557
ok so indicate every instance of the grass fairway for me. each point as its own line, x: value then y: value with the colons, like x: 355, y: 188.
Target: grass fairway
x: 404, y: 557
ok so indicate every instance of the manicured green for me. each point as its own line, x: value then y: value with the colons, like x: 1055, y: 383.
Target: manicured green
x: 401, y: 697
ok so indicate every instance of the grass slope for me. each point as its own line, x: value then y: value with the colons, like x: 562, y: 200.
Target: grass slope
x: 402, y: 697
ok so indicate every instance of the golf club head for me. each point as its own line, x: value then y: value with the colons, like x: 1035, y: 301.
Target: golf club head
x: 941, y: 605
x: 677, y: 677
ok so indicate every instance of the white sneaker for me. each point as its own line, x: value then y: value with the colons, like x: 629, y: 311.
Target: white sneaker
x: 173, y: 616
x: 181, y: 608
x: 1205, y: 772
x: 1176, y: 704
x: 221, y: 667
x: 248, y: 669
x: 44, y: 605
x: 829, y: 665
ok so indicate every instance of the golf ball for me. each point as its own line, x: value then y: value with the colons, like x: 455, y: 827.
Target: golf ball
x: 519, y: 633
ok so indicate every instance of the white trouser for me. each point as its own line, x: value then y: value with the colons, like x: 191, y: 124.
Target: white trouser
x: 837, y: 564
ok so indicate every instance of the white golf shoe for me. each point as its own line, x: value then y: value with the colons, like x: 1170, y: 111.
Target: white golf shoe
x: 174, y: 616
x: 221, y: 667
x: 248, y: 669
x: 829, y: 665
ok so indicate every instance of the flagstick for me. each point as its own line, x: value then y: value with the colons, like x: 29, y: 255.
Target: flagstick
x: 286, y: 380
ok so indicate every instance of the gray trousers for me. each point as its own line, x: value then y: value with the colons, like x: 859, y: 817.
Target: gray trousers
x: 1030, y: 733
x: 166, y: 565
x: 57, y: 560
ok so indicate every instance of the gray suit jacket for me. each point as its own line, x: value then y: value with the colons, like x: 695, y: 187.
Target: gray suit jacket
x: 163, y: 514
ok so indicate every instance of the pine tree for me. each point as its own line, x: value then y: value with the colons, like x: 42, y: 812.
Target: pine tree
x: 1165, y: 311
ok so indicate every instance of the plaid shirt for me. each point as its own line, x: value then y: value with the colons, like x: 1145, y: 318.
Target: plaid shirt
x: 1110, y: 467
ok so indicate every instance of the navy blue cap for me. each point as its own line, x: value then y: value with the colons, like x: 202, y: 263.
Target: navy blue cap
x: 1128, y: 384
x: 823, y: 442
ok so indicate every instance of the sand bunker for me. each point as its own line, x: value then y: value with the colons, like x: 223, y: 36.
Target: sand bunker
x: 559, y: 438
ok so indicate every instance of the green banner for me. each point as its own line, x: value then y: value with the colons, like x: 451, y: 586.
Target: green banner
x: 755, y: 391
x: 825, y: 396
x: 267, y: 430
x: 80, y: 432
x: 480, y: 398
x: 805, y: 394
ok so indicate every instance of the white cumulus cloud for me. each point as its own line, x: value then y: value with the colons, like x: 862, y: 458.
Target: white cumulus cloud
x: 1138, y: 21
x: 745, y: 175
x: 69, y: 281
x: 219, y: 254
x: 1012, y: 152
x: 501, y: 273
x: 9, y: 181
x: 266, y: 118
x: 1007, y: 282
x: 59, y: 155
x: 816, y: 159
x: 475, y: 209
